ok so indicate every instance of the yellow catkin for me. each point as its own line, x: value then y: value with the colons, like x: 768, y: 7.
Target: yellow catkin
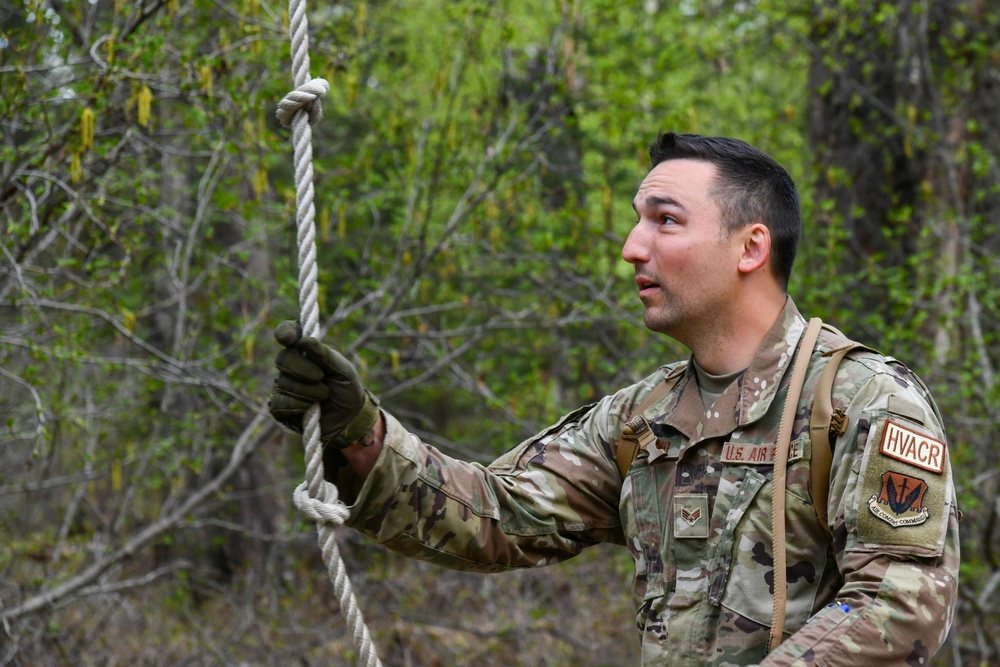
x: 325, y: 219
x: 205, y: 74
x: 260, y: 183
x: 86, y: 129
x: 116, y: 475
x: 911, y: 120
x: 128, y: 320
x: 249, y: 134
x: 75, y: 167
x: 145, y: 103
x: 362, y: 18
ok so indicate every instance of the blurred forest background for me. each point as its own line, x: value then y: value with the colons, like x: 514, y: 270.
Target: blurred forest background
x: 474, y: 174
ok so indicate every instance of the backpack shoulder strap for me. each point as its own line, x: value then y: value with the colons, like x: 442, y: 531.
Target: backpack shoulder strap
x: 822, y: 421
x: 799, y: 368
x: 637, y: 433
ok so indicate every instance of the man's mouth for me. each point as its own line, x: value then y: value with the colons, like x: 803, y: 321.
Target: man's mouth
x: 645, y: 285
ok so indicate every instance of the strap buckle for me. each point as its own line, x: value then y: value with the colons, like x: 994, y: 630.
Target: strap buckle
x: 637, y: 429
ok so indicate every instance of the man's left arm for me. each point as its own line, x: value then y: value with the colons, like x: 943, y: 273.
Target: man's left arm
x: 894, y: 519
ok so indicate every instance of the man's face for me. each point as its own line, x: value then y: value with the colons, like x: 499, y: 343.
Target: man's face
x: 685, y: 266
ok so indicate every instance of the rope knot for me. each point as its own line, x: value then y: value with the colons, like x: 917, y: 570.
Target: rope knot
x: 322, y: 511
x: 306, y: 98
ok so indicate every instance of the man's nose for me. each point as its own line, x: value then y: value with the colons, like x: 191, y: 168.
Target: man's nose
x: 636, y: 249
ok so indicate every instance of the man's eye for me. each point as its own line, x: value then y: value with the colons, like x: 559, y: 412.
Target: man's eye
x: 668, y: 220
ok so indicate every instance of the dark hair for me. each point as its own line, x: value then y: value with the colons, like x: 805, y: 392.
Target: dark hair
x: 750, y: 187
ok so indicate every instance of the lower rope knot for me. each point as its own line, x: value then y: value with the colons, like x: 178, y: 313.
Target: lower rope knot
x: 306, y: 98
x: 324, y: 511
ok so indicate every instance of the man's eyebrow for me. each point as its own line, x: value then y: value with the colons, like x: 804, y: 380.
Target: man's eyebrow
x: 653, y: 201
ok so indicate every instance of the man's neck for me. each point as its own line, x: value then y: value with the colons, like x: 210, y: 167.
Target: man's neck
x: 733, y: 344
x: 712, y: 386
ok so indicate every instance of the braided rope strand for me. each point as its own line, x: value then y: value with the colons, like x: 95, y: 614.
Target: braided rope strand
x: 316, y: 497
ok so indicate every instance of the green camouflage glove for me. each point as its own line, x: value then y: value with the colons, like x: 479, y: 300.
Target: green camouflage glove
x: 310, y: 372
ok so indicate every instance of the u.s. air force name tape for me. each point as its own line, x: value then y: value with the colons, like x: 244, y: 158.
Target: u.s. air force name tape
x: 735, y: 452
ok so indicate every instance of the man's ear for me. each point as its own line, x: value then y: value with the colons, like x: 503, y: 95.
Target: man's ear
x: 756, y: 247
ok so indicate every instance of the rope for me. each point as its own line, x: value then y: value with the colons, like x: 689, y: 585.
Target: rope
x: 315, y: 497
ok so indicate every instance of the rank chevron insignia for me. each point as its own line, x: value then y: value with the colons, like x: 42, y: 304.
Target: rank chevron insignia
x: 691, y: 516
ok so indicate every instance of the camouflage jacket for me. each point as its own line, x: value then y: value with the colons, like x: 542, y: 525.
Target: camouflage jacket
x: 694, y: 511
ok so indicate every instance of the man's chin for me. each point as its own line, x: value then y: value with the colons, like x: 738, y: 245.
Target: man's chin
x: 655, y: 321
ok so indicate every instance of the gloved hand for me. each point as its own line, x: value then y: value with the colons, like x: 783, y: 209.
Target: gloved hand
x: 311, y: 372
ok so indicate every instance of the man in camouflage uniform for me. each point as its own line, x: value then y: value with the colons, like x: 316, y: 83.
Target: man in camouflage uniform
x: 716, y: 234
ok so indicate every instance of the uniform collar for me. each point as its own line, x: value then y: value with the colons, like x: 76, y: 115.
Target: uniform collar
x: 749, y: 398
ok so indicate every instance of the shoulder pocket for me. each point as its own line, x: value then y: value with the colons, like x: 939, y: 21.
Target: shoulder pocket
x: 903, y: 496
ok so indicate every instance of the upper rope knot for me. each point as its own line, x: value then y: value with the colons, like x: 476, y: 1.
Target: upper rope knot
x: 330, y: 510
x: 305, y: 97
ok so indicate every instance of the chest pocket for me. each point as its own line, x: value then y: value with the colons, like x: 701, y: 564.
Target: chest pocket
x: 742, y: 577
x: 737, y: 490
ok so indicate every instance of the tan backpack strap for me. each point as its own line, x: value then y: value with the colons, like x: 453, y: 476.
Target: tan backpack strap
x: 821, y: 422
x: 637, y: 433
x: 799, y: 369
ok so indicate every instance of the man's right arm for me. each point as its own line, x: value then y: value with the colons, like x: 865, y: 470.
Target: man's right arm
x: 543, y: 501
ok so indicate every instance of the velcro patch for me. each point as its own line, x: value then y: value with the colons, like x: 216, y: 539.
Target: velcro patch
x: 734, y: 452
x: 900, y: 509
x: 906, y: 445
x: 691, y: 515
x: 904, y: 408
